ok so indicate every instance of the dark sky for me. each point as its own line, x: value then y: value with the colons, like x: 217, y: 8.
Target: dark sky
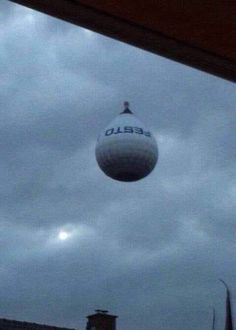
x: 151, y: 251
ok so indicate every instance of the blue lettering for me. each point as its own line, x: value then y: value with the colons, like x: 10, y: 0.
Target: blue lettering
x: 138, y: 130
x: 109, y: 131
x: 147, y: 134
x: 118, y: 131
x: 128, y: 129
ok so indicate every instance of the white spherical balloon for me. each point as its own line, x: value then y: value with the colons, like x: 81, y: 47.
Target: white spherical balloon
x: 126, y: 150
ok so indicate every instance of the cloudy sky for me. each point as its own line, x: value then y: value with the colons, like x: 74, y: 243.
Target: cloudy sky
x: 151, y: 251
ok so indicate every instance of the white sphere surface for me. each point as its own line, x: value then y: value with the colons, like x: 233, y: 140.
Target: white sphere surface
x: 126, y: 150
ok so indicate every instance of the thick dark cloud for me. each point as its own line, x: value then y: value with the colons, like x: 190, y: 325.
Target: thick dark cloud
x: 151, y: 251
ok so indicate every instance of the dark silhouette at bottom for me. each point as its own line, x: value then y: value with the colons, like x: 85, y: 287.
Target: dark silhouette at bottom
x: 228, y: 316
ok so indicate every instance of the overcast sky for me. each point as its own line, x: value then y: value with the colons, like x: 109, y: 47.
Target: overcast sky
x: 151, y: 251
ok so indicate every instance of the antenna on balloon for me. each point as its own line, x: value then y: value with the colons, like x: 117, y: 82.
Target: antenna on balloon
x: 126, y: 108
x: 126, y: 105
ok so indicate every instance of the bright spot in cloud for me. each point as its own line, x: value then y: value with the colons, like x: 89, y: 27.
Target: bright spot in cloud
x: 63, y: 235
x: 71, y: 233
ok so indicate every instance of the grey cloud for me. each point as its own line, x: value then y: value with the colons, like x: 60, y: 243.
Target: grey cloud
x: 150, y: 251
x: 6, y: 10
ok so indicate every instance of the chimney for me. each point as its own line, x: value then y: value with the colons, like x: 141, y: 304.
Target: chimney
x: 101, y: 321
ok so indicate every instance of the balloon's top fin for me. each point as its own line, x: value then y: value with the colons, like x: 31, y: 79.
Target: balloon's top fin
x: 126, y: 108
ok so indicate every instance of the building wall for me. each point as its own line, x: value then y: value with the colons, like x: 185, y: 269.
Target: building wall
x: 18, y: 325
